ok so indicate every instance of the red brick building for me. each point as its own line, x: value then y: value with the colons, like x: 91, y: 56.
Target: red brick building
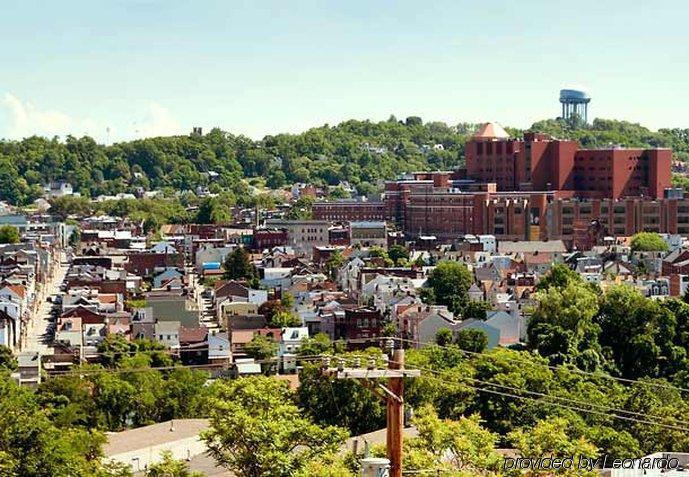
x: 361, y: 325
x: 534, y: 188
x: 349, y: 210
x: 540, y: 163
x: 145, y: 263
x: 269, y: 238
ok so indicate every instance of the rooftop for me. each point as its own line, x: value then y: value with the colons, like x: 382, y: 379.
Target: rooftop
x: 153, y: 435
x: 491, y: 131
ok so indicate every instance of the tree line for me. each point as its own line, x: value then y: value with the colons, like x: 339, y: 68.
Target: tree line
x: 361, y: 152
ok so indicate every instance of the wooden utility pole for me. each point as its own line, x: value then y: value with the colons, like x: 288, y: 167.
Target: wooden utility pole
x: 395, y: 415
x: 392, y: 394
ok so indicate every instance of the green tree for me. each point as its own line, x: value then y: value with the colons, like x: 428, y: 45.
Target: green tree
x: 476, y: 309
x: 9, y: 234
x: 333, y: 264
x: 7, y: 359
x: 285, y: 319
x: 75, y: 237
x: 648, y: 242
x: 320, y: 343
x: 170, y: 467
x: 256, y: 430
x: 562, y: 325
x: 276, y: 179
x: 67, y: 205
x: 641, y: 334
x: 450, y: 282
x: 398, y: 254
x: 301, y: 209
x: 443, y: 337
x: 185, y: 394
x: 114, y: 348
x: 214, y: 210
x: 237, y: 266
x: 560, y: 276
x: 328, y: 466
x: 262, y: 348
x: 271, y: 309
x: 470, y: 447
x: 551, y: 437
x: 471, y: 339
x: 340, y: 402
x: 31, y: 446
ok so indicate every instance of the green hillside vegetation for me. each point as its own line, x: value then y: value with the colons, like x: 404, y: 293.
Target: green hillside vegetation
x: 361, y: 152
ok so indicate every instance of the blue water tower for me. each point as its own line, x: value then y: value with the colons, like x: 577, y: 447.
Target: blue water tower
x: 575, y: 102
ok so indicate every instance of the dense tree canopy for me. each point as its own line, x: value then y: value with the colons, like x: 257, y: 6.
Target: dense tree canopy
x: 32, y: 445
x: 648, y: 242
x: 9, y: 234
x: 238, y: 265
x: 361, y: 152
x: 125, y: 393
x: 449, y: 283
x: 257, y: 430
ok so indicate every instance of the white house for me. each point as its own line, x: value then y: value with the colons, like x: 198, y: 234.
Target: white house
x: 290, y: 344
x: 167, y: 332
x: 59, y: 189
x: 489, y: 243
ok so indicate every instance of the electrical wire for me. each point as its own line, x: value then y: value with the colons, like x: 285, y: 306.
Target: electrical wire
x: 560, y: 398
x: 552, y: 367
x: 84, y: 372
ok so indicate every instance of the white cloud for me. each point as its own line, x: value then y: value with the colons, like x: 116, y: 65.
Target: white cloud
x: 158, y: 121
x: 26, y: 119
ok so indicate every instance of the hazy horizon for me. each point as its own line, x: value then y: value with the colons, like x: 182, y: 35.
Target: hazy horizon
x: 258, y: 138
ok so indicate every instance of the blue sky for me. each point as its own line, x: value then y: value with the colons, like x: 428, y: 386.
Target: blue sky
x: 142, y: 67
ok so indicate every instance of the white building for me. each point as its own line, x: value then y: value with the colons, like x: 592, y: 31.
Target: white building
x: 290, y: 344
x: 167, y: 332
x: 59, y: 189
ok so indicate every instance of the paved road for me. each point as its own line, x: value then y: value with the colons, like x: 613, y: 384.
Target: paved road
x: 38, y: 332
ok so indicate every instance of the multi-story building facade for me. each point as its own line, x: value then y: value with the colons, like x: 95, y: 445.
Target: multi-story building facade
x: 369, y: 234
x: 540, y: 163
x: 347, y: 210
x: 535, y: 188
x: 303, y: 235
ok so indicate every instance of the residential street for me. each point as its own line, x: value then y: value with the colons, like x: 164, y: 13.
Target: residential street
x: 39, y: 332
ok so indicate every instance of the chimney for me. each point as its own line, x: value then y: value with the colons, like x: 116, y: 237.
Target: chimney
x: 441, y: 180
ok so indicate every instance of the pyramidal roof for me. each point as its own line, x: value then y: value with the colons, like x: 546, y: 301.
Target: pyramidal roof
x: 491, y: 131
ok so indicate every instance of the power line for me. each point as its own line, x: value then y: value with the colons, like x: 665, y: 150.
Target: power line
x: 590, y: 411
x: 561, y: 398
x: 84, y: 372
x: 552, y: 367
x: 570, y: 407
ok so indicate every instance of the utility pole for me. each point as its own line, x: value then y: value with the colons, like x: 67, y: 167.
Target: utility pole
x: 392, y: 394
x: 395, y: 414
